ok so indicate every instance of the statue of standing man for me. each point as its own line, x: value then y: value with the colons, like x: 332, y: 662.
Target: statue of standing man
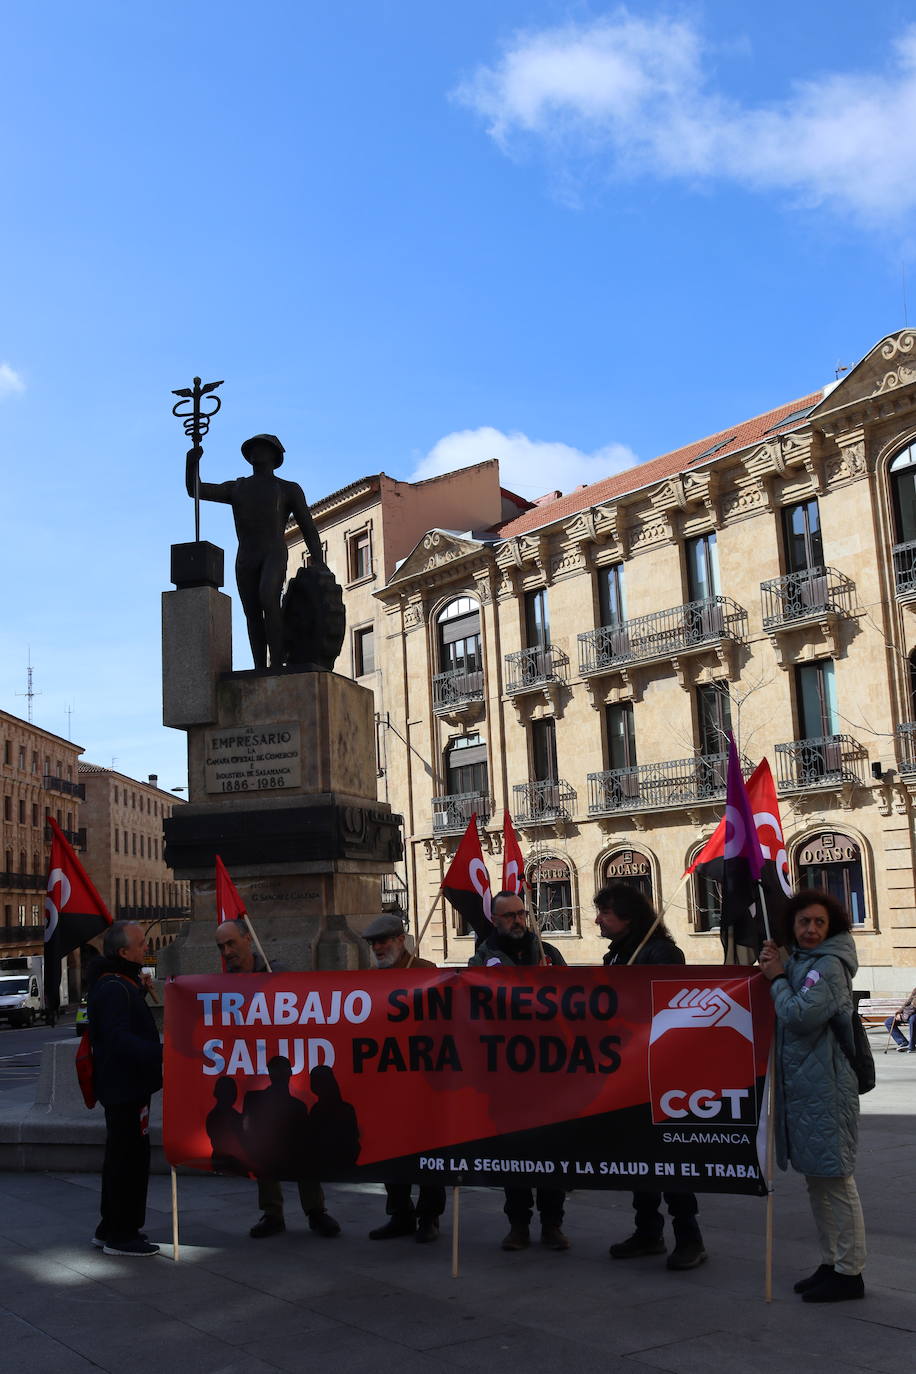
x: 262, y: 506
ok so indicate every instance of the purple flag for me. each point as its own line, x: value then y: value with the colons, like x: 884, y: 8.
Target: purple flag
x: 741, y: 841
x: 744, y: 924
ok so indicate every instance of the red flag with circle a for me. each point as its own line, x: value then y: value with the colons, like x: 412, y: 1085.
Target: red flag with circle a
x: 229, y: 905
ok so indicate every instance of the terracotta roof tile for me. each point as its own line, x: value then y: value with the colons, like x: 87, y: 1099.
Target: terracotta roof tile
x: 720, y: 445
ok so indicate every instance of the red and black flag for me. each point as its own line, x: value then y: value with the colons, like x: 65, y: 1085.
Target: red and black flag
x: 467, y: 883
x: 74, y: 913
x: 513, y: 862
x: 751, y: 905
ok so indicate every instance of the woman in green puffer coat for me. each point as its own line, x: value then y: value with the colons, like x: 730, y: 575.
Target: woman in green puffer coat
x: 817, y: 1095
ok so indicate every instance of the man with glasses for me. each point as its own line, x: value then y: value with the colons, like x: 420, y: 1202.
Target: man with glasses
x: 387, y: 939
x: 514, y: 944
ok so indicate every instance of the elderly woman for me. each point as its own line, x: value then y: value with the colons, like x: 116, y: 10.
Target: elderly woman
x: 817, y: 1098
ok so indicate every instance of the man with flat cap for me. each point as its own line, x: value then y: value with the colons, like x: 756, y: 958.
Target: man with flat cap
x: 387, y: 939
x: 262, y: 506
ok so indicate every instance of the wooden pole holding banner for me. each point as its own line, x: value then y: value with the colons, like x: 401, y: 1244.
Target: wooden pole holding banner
x: 456, y: 1206
x: 174, y: 1216
x: 771, y: 1139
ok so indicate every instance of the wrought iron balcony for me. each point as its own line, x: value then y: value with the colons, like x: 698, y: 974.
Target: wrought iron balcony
x: 658, y: 786
x: 828, y: 761
x: 550, y: 800
x: 532, y: 668
x: 678, y: 630
x: 906, y: 747
x: 72, y: 789
x: 451, y: 814
x: 905, y: 568
x: 804, y: 595
x: 76, y: 837
x: 455, y: 689
x: 23, y: 882
x: 394, y: 892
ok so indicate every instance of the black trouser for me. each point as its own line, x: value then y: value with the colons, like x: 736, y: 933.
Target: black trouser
x: 682, y: 1208
x: 125, y: 1171
x: 270, y: 1196
x: 520, y: 1205
x: 430, y: 1201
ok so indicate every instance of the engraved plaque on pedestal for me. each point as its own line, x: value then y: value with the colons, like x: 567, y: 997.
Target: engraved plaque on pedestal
x: 252, y: 758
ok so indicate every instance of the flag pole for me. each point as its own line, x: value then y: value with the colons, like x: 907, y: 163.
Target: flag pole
x: 771, y: 1134
x: 763, y: 908
x: 658, y: 919
x: 456, y: 1205
x: 257, y: 943
x: 174, y: 1216
x: 429, y: 917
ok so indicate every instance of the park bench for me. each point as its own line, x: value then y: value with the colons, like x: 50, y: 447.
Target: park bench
x: 874, y: 1011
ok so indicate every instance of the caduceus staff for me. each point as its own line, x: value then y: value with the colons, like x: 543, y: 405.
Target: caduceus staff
x: 196, y: 423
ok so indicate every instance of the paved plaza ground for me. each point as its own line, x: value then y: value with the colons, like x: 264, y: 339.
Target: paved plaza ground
x: 295, y: 1302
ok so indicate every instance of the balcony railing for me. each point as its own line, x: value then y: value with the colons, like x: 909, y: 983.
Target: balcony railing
x: 551, y: 800
x: 394, y: 892
x: 658, y: 786
x: 827, y: 761
x: 455, y: 689
x: 23, y: 882
x: 535, y: 667
x: 76, y: 837
x: 801, y: 595
x: 906, y: 747
x: 905, y: 568
x: 661, y: 634
x: 451, y: 814
x: 72, y: 789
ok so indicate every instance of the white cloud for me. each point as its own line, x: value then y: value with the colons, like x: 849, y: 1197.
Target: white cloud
x: 530, y: 467
x: 641, y: 93
x: 10, y: 382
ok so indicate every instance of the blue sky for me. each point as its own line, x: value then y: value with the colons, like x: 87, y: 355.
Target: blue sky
x: 408, y: 235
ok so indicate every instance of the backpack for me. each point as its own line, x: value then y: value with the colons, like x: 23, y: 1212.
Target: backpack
x: 85, y: 1068
x: 853, y: 1041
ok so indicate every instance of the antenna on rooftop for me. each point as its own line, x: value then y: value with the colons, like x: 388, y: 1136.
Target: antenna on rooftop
x: 69, y: 722
x: 839, y: 370
x: 29, y: 692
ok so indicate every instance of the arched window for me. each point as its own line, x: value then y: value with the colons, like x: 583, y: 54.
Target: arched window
x: 832, y: 862
x: 460, y: 676
x: 706, y: 888
x: 629, y: 866
x: 903, y: 499
x: 550, y: 881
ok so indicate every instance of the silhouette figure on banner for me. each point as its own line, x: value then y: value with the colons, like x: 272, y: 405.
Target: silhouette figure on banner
x: 277, y: 1131
x: 333, y: 1124
x: 225, y: 1127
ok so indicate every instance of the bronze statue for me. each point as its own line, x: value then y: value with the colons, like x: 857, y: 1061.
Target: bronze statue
x: 262, y: 506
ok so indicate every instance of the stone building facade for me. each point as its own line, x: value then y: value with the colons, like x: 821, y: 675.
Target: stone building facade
x: 38, y: 778
x: 580, y: 662
x: 123, y: 851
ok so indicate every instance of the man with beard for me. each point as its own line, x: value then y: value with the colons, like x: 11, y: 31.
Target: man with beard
x: 512, y: 944
x: 637, y: 936
x: 234, y: 942
x: 387, y: 939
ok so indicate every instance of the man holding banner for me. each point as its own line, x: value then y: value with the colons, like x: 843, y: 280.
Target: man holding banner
x: 236, y: 945
x: 638, y: 936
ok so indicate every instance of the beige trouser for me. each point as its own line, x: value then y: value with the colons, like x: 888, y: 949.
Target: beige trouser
x: 840, y: 1225
x: 270, y: 1196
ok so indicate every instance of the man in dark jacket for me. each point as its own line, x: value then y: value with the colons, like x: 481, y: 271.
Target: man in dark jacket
x: 637, y: 936
x: 387, y: 939
x: 906, y: 1016
x: 127, y: 1066
x: 512, y: 944
x: 234, y: 942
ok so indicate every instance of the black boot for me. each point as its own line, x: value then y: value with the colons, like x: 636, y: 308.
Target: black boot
x: 836, y: 1288
x: 820, y: 1273
x: 637, y: 1246
x: 405, y: 1224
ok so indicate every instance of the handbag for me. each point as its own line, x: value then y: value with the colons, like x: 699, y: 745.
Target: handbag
x: 853, y: 1041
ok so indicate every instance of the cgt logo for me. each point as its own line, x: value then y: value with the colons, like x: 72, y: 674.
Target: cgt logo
x: 701, y: 1053
x: 704, y: 1103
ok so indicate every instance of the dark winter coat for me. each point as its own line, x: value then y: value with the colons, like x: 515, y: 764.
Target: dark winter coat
x: 658, y: 949
x: 499, y: 949
x: 817, y: 1095
x: 126, y: 1053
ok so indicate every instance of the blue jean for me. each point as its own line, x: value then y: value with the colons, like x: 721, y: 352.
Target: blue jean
x: 894, y: 1027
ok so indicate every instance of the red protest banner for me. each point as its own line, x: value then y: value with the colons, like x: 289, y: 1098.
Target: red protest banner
x: 594, y: 1077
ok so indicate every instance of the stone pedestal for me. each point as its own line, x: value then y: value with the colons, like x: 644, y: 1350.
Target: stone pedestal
x: 282, y: 786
